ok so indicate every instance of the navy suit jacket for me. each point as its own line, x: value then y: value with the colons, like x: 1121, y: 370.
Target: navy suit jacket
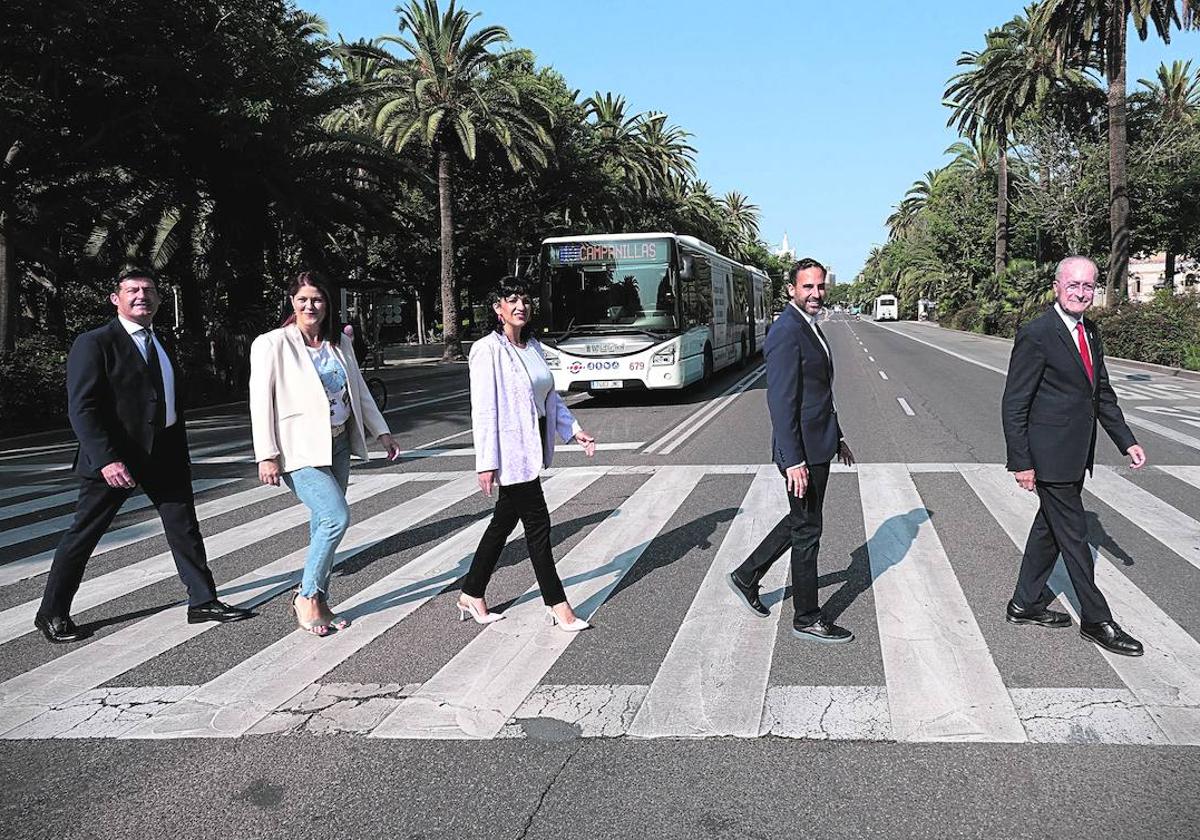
x: 1050, y: 407
x: 111, y: 402
x: 804, y: 425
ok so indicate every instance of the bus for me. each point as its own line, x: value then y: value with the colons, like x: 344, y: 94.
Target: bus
x: 637, y: 311
x: 886, y: 308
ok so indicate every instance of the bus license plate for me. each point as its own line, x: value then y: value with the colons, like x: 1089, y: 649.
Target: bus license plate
x: 597, y: 384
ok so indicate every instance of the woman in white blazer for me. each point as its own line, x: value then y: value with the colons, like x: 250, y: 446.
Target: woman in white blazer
x: 516, y: 415
x: 310, y: 410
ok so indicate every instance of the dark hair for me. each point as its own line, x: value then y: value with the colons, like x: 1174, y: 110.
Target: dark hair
x: 507, y: 287
x: 331, y: 327
x: 803, y: 265
x: 130, y: 271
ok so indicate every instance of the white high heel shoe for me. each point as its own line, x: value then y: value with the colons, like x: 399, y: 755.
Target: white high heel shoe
x: 568, y: 627
x: 469, y: 609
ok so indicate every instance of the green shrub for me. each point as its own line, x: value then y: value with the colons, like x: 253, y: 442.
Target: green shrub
x: 34, y: 393
x: 1165, y: 331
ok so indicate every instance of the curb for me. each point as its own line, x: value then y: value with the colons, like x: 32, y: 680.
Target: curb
x: 1166, y: 370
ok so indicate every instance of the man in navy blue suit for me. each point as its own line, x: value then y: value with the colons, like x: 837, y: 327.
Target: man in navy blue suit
x: 805, y: 438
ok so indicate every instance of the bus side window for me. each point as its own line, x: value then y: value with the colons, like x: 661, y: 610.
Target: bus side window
x: 697, y: 293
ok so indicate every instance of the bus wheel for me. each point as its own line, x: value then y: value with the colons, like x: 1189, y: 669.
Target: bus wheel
x: 708, y: 365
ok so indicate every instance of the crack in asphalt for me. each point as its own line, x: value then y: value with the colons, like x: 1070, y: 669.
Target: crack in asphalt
x: 546, y: 792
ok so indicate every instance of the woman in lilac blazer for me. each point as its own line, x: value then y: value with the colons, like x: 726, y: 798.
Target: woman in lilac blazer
x: 516, y: 417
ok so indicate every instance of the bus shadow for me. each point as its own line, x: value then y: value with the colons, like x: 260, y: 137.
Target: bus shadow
x: 692, y: 395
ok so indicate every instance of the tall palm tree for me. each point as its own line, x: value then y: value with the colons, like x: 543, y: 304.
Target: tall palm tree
x: 742, y: 218
x: 908, y: 213
x: 1099, y: 28
x: 1013, y: 74
x: 1176, y: 91
x: 446, y: 94
x: 620, y: 146
x: 975, y: 154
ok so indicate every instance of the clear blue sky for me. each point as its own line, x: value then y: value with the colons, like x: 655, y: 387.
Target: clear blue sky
x: 822, y: 113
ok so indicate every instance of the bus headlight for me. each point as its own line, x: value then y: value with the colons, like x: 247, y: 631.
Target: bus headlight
x: 664, y: 357
x: 551, y: 359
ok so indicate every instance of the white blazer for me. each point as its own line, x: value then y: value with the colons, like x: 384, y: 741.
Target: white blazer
x: 289, y: 412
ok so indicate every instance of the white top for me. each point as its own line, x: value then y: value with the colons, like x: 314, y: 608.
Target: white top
x: 539, y: 375
x: 333, y: 379
x: 141, y: 338
x: 1070, y: 321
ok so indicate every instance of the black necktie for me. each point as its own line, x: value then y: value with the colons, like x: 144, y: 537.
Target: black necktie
x: 825, y: 347
x: 156, y: 379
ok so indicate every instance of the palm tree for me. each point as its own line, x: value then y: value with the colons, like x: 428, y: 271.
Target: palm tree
x: 1013, y: 74
x: 742, y: 219
x: 447, y: 94
x: 1176, y: 93
x: 975, y: 154
x: 908, y: 213
x: 619, y: 143
x: 1099, y: 28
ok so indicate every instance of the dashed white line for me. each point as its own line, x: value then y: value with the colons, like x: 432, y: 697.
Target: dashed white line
x: 882, y: 375
x: 904, y: 405
x: 870, y: 358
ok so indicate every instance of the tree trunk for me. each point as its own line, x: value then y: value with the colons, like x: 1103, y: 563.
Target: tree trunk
x: 1118, y: 176
x: 1002, y: 208
x: 453, y: 351
x: 1169, y: 271
x: 8, y: 290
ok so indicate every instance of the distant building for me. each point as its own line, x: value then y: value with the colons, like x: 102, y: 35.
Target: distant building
x: 830, y: 277
x: 783, y: 250
x: 1149, y: 274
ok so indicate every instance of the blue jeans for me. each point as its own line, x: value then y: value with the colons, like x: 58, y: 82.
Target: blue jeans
x: 323, y: 489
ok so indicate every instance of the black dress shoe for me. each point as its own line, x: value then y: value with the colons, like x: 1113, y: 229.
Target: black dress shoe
x: 1110, y: 636
x: 1042, y: 616
x: 214, y: 610
x: 823, y: 631
x: 747, y: 595
x: 59, y: 630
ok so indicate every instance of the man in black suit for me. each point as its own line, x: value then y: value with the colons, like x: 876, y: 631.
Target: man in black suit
x: 805, y: 438
x: 123, y: 404
x: 1057, y: 389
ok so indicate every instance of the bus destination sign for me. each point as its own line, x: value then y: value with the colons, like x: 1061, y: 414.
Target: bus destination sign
x: 610, y: 251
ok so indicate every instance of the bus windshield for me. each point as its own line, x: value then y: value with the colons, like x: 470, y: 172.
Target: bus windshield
x: 611, y: 298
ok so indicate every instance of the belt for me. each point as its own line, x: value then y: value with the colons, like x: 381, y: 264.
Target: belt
x: 338, y: 430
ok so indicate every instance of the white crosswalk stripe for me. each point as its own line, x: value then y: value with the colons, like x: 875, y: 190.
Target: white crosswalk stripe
x: 939, y: 681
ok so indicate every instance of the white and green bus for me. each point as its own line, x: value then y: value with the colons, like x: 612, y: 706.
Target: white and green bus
x: 637, y: 311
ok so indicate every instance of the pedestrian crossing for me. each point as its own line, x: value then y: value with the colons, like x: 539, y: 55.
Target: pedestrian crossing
x: 946, y: 671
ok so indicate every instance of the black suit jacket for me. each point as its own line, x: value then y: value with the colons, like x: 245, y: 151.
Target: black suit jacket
x: 111, y: 402
x: 1050, y: 407
x: 804, y: 425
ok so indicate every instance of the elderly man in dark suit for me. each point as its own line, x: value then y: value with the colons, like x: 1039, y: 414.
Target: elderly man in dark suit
x: 1057, y: 389
x: 122, y: 399
x: 805, y: 438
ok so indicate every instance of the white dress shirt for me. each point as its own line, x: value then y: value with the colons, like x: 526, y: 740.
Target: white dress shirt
x: 1070, y: 321
x: 141, y: 335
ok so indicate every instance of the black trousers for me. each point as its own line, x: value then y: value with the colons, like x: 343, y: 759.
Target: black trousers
x: 166, y: 479
x: 524, y: 502
x: 1060, y: 527
x: 801, y: 529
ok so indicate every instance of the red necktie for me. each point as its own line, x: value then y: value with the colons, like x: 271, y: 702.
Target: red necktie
x: 1084, y: 354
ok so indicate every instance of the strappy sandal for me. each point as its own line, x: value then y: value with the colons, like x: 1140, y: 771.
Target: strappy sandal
x: 316, y: 626
x: 336, y: 620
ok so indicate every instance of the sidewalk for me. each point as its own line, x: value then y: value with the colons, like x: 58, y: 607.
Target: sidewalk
x: 417, y: 354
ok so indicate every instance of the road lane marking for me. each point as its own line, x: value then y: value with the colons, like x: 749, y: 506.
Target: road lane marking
x: 234, y: 702
x: 713, y: 680
x: 691, y: 424
x: 943, y: 684
x: 1167, y: 678
x: 480, y: 689
x: 66, y: 497
x: 31, y: 694
x: 93, y: 592
x: 1171, y: 527
x: 882, y: 375
x: 432, y: 400
x: 905, y: 406
x: 870, y: 358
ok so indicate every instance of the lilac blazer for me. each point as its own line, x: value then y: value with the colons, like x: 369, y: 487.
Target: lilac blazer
x: 504, y: 419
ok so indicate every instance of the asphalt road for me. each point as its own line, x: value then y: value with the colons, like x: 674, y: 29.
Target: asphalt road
x: 676, y: 717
